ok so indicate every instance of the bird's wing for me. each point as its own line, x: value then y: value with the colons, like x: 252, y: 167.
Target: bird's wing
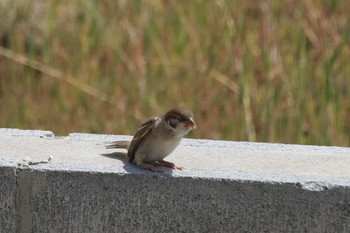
x: 142, y: 131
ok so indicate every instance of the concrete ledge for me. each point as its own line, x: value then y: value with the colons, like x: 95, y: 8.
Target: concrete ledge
x: 73, y: 184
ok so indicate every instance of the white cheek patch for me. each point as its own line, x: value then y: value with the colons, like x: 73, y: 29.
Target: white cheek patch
x: 182, y: 129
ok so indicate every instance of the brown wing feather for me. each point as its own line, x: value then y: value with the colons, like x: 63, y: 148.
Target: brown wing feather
x: 118, y: 144
x: 144, y: 129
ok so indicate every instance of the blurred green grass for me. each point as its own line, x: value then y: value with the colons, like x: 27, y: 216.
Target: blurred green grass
x: 267, y: 71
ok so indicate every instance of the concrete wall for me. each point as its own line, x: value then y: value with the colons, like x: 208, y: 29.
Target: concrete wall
x: 8, y: 190
x: 74, y: 184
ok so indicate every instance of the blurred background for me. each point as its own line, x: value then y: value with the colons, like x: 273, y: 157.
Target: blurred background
x: 265, y: 71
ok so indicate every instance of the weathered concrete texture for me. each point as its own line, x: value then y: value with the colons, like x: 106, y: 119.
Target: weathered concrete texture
x: 88, y: 202
x: 73, y: 184
x: 8, y: 189
x: 27, y: 133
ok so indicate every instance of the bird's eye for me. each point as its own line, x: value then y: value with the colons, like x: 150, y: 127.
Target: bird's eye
x: 173, y: 123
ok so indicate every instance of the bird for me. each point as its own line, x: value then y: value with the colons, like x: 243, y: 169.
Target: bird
x: 158, y: 137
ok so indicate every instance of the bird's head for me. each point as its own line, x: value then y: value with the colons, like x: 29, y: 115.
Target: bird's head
x: 180, y: 120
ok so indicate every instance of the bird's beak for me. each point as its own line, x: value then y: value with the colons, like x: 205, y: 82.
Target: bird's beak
x: 191, y: 123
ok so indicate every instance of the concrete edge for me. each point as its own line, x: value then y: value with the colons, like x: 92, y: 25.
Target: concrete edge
x: 304, y: 182
x: 310, y: 183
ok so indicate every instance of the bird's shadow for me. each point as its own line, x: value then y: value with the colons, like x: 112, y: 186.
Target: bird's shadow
x: 132, y: 168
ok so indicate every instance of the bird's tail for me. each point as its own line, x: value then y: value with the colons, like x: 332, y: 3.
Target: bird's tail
x: 119, y: 145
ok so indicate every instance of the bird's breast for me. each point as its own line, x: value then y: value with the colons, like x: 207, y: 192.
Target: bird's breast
x: 158, y: 148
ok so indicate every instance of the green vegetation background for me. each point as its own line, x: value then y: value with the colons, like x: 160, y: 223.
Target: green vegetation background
x: 267, y: 71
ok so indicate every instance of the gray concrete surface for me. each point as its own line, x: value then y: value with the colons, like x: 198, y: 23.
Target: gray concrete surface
x: 74, y: 184
x: 7, y: 197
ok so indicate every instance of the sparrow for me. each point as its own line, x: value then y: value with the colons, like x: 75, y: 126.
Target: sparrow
x: 157, y: 138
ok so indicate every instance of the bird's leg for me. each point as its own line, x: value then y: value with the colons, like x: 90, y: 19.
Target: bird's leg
x: 170, y: 164
x: 151, y: 167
